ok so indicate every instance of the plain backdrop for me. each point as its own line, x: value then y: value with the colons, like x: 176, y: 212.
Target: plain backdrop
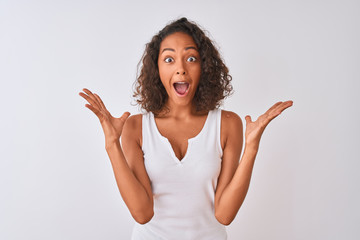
x: 56, y: 181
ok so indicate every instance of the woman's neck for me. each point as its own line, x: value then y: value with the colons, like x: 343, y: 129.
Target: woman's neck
x: 179, y: 111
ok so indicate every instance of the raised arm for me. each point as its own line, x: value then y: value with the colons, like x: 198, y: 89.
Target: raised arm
x: 140, y: 205
x: 129, y: 171
x: 234, y: 179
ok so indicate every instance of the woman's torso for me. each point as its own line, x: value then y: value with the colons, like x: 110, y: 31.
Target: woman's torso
x: 183, y: 184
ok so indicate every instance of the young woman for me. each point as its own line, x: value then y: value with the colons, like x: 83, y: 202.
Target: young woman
x: 177, y: 167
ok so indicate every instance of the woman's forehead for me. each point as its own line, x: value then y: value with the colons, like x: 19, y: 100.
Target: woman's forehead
x: 177, y: 40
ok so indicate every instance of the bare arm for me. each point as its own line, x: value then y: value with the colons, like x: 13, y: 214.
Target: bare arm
x: 234, y: 179
x: 136, y: 193
x: 140, y: 202
x: 136, y: 196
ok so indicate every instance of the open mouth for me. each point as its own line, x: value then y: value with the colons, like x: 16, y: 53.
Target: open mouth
x: 181, y: 88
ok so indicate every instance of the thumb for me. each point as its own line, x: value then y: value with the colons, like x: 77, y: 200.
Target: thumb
x: 248, y: 119
x: 124, y: 116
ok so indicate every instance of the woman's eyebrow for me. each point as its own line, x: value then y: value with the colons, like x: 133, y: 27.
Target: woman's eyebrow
x: 168, y: 49
x: 173, y: 50
x: 191, y: 48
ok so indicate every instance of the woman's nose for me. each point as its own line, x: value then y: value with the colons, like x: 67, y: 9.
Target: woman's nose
x: 180, y: 69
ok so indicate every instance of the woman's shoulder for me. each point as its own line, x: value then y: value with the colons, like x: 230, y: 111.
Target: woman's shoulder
x: 134, y: 121
x: 132, y: 128
x: 231, y: 126
x: 229, y: 117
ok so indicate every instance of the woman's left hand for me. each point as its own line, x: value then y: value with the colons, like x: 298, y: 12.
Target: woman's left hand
x: 255, y: 129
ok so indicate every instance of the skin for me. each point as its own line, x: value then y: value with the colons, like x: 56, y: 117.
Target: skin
x: 179, y: 61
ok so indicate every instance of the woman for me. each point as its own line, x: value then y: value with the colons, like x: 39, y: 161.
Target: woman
x: 177, y: 167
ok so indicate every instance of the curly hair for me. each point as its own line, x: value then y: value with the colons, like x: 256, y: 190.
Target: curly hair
x: 215, y: 80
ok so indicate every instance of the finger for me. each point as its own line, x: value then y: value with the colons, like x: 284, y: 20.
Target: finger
x: 90, y: 100
x: 89, y: 97
x: 273, y: 107
x: 248, y: 119
x: 279, y: 109
x: 286, y: 105
x: 100, y: 101
x: 94, y: 110
x: 124, y: 116
x: 283, y: 106
x: 92, y: 97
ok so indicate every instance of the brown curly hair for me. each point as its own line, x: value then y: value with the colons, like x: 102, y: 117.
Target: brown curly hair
x: 214, y: 84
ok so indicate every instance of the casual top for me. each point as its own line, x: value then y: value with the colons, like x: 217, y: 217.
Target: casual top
x: 183, y: 191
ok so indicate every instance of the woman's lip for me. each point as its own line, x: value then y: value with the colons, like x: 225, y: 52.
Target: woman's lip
x: 186, y: 92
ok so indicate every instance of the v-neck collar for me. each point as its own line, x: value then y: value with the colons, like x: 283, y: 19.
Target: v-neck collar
x: 190, y: 140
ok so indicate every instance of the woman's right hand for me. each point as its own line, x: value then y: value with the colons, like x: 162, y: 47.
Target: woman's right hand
x: 111, y: 126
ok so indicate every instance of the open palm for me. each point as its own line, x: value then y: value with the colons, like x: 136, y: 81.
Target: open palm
x: 112, y: 126
x: 255, y: 129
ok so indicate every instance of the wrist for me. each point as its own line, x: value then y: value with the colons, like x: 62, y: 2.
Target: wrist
x: 112, y: 144
x: 251, y: 147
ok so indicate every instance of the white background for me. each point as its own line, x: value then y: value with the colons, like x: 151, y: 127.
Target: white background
x: 56, y: 181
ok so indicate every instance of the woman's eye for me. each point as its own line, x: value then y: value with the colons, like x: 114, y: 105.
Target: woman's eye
x: 191, y: 59
x: 169, y: 59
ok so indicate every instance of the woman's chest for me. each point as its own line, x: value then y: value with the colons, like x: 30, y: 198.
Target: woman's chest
x: 178, y: 134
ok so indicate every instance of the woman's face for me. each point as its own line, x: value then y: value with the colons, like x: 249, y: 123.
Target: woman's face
x: 179, y: 67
